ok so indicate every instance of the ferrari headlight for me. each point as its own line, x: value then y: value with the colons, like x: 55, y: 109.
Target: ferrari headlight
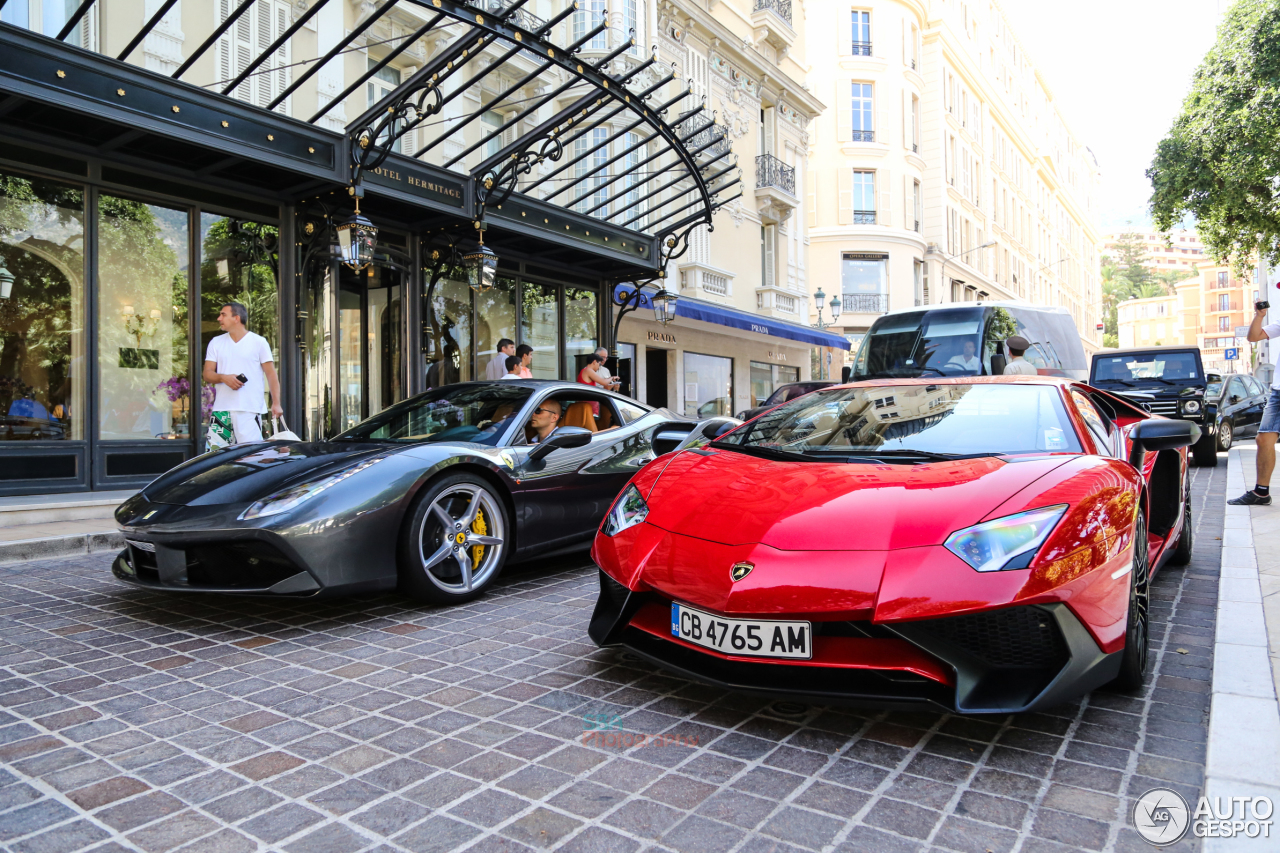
x: 627, y: 511
x: 992, y: 545
x: 1191, y: 406
x: 287, y: 499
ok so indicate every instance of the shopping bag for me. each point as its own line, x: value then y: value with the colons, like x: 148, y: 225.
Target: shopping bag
x: 221, y: 434
x: 280, y: 431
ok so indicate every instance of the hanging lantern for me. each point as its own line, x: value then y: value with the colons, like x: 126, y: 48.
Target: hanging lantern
x: 6, y: 281
x: 664, y: 306
x: 357, y: 237
x: 481, y: 265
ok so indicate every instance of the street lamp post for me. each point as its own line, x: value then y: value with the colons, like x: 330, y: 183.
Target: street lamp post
x: 947, y: 258
x: 835, y: 315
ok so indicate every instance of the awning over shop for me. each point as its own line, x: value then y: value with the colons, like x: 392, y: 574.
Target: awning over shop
x: 709, y: 312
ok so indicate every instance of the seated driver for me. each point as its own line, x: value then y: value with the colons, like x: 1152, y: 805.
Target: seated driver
x: 544, y: 421
x: 969, y: 361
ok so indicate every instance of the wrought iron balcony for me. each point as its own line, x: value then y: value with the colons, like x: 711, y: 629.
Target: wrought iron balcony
x: 864, y: 136
x: 864, y: 217
x: 860, y: 48
x: 864, y: 303
x: 772, y: 172
x: 781, y: 8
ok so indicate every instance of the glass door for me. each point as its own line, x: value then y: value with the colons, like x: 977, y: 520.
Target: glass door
x: 371, y: 363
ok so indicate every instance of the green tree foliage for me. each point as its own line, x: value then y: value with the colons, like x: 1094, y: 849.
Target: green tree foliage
x: 1131, y: 259
x: 1220, y: 162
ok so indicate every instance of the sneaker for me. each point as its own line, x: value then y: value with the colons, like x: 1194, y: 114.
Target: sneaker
x: 1250, y: 499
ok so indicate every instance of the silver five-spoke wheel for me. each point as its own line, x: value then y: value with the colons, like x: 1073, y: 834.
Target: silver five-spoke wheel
x: 460, y: 538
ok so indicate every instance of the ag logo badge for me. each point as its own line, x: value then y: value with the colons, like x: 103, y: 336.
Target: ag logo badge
x: 1161, y: 816
x: 740, y: 571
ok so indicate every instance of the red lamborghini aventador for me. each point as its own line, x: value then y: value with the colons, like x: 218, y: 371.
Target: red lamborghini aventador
x: 982, y: 544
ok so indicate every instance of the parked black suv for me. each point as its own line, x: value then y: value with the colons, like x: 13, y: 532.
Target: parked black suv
x: 1168, y: 381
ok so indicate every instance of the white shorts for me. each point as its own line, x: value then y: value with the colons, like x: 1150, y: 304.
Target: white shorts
x: 227, y: 428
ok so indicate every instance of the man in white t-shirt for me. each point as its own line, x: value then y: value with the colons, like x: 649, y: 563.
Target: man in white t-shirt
x: 612, y: 383
x: 238, y: 365
x: 1260, y: 495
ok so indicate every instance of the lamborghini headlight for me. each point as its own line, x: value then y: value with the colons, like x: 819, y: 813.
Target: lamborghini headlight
x: 994, y: 545
x: 627, y: 511
x: 299, y: 493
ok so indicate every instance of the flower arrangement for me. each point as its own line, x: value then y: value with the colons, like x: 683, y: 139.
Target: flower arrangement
x: 179, y: 388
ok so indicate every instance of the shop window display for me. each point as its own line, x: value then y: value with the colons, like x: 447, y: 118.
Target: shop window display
x: 142, y: 288
x: 42, y: 355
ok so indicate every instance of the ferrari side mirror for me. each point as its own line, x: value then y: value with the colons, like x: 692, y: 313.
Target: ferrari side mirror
x: 563, y: 437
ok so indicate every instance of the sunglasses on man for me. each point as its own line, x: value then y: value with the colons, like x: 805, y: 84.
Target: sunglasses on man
x: 542, y: 411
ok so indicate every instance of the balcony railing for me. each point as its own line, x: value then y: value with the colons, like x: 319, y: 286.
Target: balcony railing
x: 864, y: 136
x: 864, y: 217
x: 520, y: 17
x: 864, y: 303
x: 781, y: 8
x: 860, y: 48
x: 772, y: 172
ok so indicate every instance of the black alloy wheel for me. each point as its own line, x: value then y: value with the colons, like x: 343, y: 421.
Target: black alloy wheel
x: 1205, y: 451
x: 1226, y: 434
x: 1186, y: 539
x: 455, y: 540
x: 1133, y: 662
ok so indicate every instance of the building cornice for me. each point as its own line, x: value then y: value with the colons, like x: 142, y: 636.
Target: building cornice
x: 735, y: 50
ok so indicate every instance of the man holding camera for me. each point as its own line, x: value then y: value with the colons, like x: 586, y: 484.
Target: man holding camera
x: 1268, y: 430
x: 237, y: 364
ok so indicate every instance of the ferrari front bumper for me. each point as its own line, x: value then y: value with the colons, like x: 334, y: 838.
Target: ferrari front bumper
x: 1004, y: 660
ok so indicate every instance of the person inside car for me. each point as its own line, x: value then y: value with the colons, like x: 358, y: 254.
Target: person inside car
x: 967, y: 361
x: 544, y: 421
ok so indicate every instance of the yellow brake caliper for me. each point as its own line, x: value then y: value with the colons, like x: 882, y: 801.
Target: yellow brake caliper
x: 480, y: 528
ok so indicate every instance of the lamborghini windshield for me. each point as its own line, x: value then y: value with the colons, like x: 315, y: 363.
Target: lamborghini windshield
x: 911, y: 422
x: 475, y: 412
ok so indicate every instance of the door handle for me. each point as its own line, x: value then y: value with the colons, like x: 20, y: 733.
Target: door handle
x: 641, y: 461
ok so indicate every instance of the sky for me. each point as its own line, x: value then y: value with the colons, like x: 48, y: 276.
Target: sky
x: 1119, y: 70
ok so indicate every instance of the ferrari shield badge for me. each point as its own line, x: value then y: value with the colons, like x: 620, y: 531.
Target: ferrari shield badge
x: 740, y: 571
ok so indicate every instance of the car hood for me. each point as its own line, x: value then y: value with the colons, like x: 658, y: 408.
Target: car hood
x: 734, y: 499
x: 244, y: 475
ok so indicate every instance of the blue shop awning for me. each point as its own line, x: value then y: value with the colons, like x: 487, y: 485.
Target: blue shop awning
x: 709, y: 312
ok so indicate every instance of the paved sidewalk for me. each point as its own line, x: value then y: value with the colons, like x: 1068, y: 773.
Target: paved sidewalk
x: 1244, y: 722
x: 144, y: 721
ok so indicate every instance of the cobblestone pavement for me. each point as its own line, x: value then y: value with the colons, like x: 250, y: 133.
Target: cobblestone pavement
x: 131, y: 720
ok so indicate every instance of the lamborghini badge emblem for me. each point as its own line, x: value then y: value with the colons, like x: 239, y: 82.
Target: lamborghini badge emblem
x: 741, y: 570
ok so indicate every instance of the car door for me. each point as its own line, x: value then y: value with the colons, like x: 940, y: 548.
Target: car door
x: 1257, y: 401
x: 1235, y: 401
x: 561, y: 498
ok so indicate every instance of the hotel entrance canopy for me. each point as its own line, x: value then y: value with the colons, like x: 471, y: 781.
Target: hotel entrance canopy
x: 579, y: 149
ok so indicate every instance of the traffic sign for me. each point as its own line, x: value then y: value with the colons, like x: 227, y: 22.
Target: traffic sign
x: 1242, y: 331
x: 1231, y: 353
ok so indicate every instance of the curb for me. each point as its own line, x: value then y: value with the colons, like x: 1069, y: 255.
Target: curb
x: 1243, y: 757
x: 60, y: 546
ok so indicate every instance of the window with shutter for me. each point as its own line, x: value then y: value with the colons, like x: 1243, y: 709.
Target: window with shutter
x: 844, y: 194
x: 252, y: 34
x: 767, y: 237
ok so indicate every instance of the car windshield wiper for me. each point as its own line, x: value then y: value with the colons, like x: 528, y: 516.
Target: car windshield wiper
x: 927, y: 454
x: 771, y: 453
x: 1121, y: 381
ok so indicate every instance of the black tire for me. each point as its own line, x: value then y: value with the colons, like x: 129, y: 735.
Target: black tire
x: 1133, y: 661
x: 1186, y: 539
x: 457, y: 562
x: 1205, y: 451
x: 1226, y: 435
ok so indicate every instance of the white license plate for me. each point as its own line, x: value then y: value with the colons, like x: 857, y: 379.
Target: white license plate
x: 755, y: 637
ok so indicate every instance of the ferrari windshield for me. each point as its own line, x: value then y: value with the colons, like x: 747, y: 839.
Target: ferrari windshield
x: 915, y: 420
x: 475, y: 412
